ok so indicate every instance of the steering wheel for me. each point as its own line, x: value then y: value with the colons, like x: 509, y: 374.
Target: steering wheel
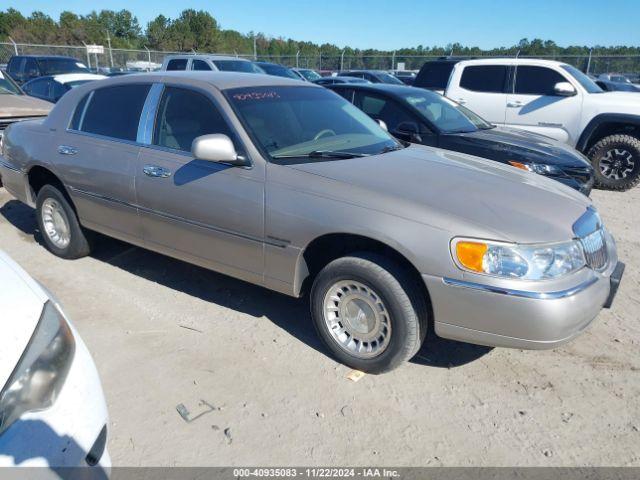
x: 324, y: 133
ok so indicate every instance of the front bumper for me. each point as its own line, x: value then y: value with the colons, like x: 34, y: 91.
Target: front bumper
x: 66, y: 433
x: 499, y: 317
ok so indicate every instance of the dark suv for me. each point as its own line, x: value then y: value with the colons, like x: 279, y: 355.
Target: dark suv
x: 23, y: 68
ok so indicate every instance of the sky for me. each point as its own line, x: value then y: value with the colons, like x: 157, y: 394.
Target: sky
x: 392, y: 24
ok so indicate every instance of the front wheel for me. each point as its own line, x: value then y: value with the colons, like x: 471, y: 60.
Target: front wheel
x: 369, y: 312
x: 616, y: 160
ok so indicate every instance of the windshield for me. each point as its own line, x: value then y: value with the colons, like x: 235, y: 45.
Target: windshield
x: 298, y: 121
x: 446, y: 115
x: 237, y: 66
x: 388, y: 78
x: 279, y: 71
x: 310, y: 75
x: 7, y: 86
x: 55, y: 66
x: 589, y: 85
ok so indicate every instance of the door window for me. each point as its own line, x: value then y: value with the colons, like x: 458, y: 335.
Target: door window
x: 31, y: 68
x: 38, y: 88
x: 115, y: 111
x: 184, y: 115
x: 484, y: 78
x: 200, y: 65
x: 536, y: 80
x: 177, y: 64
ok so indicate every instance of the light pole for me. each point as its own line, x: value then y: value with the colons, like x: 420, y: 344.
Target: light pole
x: 110, y: 52
x: 342, y: 60
x: 297, y: 59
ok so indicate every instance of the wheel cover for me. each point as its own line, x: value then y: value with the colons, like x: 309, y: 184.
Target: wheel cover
x: 56, y: 223
x: 617, y: 164
x: 357, y: 319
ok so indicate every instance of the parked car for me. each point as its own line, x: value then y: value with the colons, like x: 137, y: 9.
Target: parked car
x: 53, y: 411
x: 312, y: 195
x: 609, y: 86
x: 16, y: 106
x: 374, y: 76
x: 308, y: 74
x: 557, y: 100
x: 209, y: 63
x: 420, y: 116
x: 338, y: 79
x: 614, y: 77
x: 52, y: 88
x: 23, y: 68
x: 278, y: 70
x: 405, y: 76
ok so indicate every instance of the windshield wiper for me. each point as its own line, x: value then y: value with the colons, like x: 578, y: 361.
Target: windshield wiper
x: 391, y: 149
x: 323, y: 154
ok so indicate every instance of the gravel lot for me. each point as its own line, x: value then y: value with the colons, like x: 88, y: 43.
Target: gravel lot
x: 164, y: 333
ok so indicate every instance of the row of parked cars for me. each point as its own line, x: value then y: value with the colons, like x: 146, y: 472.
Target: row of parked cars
x: 362, y: 196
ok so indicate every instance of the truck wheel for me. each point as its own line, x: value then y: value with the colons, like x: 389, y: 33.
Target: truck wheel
x: 616, y: 160
x: 369, y: 312
x: 63, y: 236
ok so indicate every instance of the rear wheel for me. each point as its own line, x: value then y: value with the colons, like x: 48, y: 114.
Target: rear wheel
x: 368, y: 312
x: 616, y: 160
x: 63, y: 236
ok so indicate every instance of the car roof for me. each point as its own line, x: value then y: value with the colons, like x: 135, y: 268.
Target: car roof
x: 390, y: 88
x: 366, y: 70
x: 75, y: 77
x: 220, y: 80
x: 511, y: 61
x: 40, y: 57
x: 204, y: 56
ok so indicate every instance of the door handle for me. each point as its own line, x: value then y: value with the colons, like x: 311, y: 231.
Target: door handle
x: 515, y: 104
x: 67, y: 150
x: 156, y: 171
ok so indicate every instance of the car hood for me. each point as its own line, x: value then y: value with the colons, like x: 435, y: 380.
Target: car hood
x: 506, y: 144
x: 615, y: 102
x: 21, y: 301
x: 450, y: 191
x: 12, y: 106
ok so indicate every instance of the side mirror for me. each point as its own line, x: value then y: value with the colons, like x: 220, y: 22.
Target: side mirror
x: 382, y: 125
x: 218, y: 148
x: 564, y: 89
x: 408, y: 130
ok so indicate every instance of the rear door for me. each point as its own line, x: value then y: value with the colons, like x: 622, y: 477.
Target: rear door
x: 204, y: 212
x: 200, y: 65
x: 97, y: 157
x: 482, y: 89
x: 534, y: 106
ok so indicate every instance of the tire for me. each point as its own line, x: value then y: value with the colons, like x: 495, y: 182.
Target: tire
x: 49, y: 199
x: 614, y: 150
x: 397, y: 299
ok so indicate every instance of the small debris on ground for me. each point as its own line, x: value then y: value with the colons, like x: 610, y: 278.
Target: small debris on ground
x: 190, y: 328
x: 566, y: 416
x: 227, y: 434
x: 186, y: 414
x: 355, y: 375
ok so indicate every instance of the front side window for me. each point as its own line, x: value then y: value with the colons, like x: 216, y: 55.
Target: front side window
x: 114, y: 111
x: 531, y: 80
x: 31, y: 68
x: 484, y: 78
x: 200, y: 65
x: 177, y: 64
x: 184, y: 115
x: 292, y: 123
x: 38, y: 88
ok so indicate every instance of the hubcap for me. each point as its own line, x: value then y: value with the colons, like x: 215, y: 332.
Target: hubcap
x: 357, y: 319
x: 56, y: 223
x: 617, y: 164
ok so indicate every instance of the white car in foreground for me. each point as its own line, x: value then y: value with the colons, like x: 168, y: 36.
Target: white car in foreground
x: 52, y: 409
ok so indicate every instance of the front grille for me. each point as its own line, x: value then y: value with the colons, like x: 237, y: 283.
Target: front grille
x: 595, y: 249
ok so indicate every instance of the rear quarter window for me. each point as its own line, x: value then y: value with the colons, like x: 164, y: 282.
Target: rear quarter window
x: 114, y: 111
x: 177, y: 64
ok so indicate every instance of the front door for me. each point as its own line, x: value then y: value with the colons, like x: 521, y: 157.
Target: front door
x: 534, y: 105
x: 203, y: 212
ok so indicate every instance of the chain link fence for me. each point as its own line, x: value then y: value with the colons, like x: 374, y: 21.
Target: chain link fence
x: 129, y: 59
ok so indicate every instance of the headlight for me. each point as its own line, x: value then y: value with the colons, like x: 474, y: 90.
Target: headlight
x: 526, y: 262
x: 539, y: 168
x: 40, y: 374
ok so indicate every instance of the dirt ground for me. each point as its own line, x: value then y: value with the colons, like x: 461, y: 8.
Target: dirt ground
x: 246, y: 364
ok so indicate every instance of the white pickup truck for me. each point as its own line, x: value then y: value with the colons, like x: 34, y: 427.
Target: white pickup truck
x: 551, y: 98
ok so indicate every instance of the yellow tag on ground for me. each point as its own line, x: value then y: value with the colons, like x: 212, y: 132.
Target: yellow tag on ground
x: 355, y: 375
